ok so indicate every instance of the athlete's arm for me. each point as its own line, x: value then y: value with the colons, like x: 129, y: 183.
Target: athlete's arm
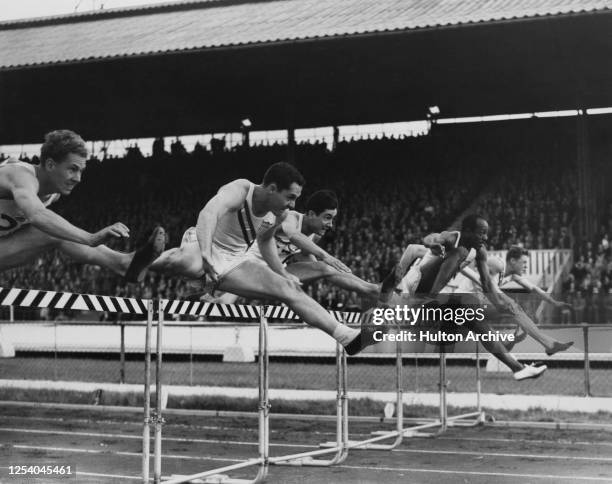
x: 412, y: 253
x: 485, y: 281
x: 267, y: 247
x: 24, y: 188
x: 440, y: 243
x: 449, y: 268
x: 539, y: 291
x: 229, y: 198
x: 307, y: 246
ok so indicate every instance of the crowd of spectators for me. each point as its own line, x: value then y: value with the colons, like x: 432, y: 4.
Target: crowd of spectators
x: 588, y: 286
x: 392, y: 192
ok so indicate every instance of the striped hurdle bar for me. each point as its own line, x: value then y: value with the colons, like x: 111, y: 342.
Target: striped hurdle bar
x: 92, y: 302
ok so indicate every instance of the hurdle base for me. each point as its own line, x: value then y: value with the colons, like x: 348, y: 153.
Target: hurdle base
x: 350, y: 443
x: 306, y: 461
x: 215, y: 479
x: 405, y: 433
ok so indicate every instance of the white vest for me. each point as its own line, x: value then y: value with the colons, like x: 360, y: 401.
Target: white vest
x: 11, y: 216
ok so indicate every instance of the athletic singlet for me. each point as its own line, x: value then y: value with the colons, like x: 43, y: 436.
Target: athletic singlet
x: 285, y: 248
x: 11, y: 216
x: 237, y: 231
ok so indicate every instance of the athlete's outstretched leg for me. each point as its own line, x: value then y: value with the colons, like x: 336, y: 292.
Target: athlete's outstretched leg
x: 519, y: 316
x: 23, y: 246
x: 253, y: 279
x: 312, y: 271
x: 132, y: 265
x: 498, y: 350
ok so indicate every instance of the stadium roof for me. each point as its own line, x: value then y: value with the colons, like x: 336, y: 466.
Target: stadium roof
x: 201, y: 67
x: 196, y: 25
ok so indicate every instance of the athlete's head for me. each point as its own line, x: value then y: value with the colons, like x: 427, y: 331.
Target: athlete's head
x: 516, y: 260
x: 284, y: 185
x: 321, y: 210
x: 474, y: 231
x: 63, y: 158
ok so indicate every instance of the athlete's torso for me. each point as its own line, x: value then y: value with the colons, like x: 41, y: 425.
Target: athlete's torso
x: 11, y: 216
x: 285, y: 248
x: 237, y: 231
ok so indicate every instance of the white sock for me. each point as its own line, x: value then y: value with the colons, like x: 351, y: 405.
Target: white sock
x: 344, y: 335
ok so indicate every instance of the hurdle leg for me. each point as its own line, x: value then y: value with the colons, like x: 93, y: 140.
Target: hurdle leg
x: 340, y: 446
x: 398, y: 433
x: 159, y: 421
x: 146, y: 434
x: 264, y: 398
x: 473, y: 418
x: 443, y: 390
x: 217, y: 476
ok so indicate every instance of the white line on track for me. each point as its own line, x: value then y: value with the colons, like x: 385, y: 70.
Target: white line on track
x: 374, y: 468
x: 475, y: 473
x: 242, y: 429
x: 116, y: 452
x: 139, y: 437
x: 504, y: 454
x: 234, y: 442
x: 529, y: 441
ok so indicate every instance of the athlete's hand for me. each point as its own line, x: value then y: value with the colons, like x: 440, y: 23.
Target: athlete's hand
x: 209, y: 269
x: 294, y: 279
x: 438, y: 249
x: 563, y: 305
x: 336, y: 264
x: 115, y: 231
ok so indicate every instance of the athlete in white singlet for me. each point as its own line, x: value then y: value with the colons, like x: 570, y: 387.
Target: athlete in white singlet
x: 296, y: 242
x: 28, y: 227
x: 240, y: 215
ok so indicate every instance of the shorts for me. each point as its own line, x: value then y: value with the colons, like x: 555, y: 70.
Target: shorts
x: 223, y: 261
x: 285, y: 259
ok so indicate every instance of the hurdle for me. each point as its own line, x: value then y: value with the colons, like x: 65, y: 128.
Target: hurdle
x: 262, y: 461
x: 442, y: 424
x: 149, y: 309
x: 340, y: 446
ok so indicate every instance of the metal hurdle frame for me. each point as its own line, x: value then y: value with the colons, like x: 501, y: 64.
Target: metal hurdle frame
x: 341, y: 445
x: 217, y: 475
x: 465, y: 420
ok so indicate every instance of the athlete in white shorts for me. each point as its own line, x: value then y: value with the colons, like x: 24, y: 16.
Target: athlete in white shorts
x: 217, y: 249
x: 28, y: 227
x: 296, y: 242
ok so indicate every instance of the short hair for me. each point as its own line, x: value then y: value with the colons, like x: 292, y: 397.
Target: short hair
x: 60, y: 143
x: 283, y: 175
x: 470, y: 222
x: 322, y: 200
x: 516, y: 252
